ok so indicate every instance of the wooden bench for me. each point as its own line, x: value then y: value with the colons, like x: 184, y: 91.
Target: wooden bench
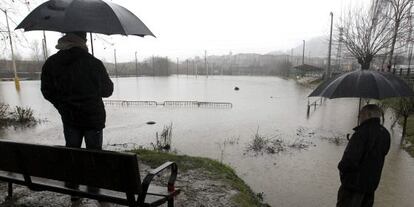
x: 116, y: 174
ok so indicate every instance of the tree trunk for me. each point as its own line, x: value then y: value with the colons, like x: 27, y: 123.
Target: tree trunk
x: 404, y: 132
x: 394, y: 40
x: 365, y: 65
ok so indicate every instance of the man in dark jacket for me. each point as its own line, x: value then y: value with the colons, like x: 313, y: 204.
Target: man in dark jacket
x: 361, y: 165
x: 74, y: 81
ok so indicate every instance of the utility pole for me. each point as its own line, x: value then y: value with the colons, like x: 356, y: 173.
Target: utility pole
x: 187, y: 67
x: 153, y: 68
x: 177, y: 65
x: 303, y: 54
x: 205, y: 62
x: 44, y: 45
x: 196, y: 69
x: 16, y: 78
x: 116, y: 68
x: 136, y: 63
x: 167, y: 63
x: 328, y: 70
x: 339, y: 52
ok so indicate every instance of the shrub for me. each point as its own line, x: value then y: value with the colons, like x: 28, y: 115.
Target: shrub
x: 23, y: 114
x: 4, y: 111
x: 163, y: 141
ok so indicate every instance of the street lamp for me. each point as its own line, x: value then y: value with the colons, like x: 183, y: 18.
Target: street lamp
x: 16, y: 78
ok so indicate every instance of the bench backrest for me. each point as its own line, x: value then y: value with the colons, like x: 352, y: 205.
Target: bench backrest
x: 103, y: 169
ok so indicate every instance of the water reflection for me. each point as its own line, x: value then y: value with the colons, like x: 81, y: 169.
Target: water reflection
x: 278, y: 107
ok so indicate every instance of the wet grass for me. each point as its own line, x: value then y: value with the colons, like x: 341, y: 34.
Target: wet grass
x: 216, y: 170
x: 261, y: 144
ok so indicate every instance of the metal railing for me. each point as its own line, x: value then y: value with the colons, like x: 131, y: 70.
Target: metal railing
x: 314, y: 104
x: 130, y: 103
x: 171, y: 104
x: 406, y: 74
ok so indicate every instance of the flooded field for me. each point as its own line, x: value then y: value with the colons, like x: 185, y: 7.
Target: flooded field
x: 266, y: 136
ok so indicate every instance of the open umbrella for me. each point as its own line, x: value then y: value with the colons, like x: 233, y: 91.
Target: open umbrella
x: 96, y: 16
x: 364, y: 84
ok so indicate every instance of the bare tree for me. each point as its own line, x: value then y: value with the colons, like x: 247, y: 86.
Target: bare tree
x: 15, y: 9
x: 365, y: 35
x: 399, y: 14
x: 36, y: 51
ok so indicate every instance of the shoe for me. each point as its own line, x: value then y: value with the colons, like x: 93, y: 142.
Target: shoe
x: 74, y: 198
x: 75, y: 201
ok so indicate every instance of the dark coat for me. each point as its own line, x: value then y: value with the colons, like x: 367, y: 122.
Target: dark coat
x: 74, y: 82
x: 361, y: 165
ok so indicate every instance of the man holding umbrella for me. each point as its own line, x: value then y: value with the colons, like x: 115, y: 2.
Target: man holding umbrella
x: 74, y: 81
x: 362, y: 162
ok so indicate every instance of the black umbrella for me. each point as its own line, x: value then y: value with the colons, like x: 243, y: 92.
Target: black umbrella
x: 364, y: 84
x: 95, y: 16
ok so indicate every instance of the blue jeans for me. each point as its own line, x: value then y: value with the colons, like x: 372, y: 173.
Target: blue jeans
x: 74, y: 137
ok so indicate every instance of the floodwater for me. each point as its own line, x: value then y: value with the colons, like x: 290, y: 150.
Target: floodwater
x: 271, y: 106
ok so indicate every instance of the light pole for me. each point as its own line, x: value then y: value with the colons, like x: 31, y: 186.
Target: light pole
x: 328, y: 70
x: 16, y: 78
x: 178, y: 62
x: 116, y: 68
x: 136, y: 63
x: 303, y: 54
x: 205, y: 62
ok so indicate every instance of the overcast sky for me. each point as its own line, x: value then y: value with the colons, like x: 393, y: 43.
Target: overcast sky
x: 185, y: 28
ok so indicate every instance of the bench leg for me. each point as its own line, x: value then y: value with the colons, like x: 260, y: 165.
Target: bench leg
x: 171, y: 202
x: 131, y: 200
x: 9, y: 191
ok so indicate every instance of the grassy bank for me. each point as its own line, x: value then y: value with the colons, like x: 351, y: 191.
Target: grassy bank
x: 217, y: 171
x: 410, y: 136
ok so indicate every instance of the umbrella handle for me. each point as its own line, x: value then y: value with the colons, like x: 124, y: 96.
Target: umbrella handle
x: 90, y: 34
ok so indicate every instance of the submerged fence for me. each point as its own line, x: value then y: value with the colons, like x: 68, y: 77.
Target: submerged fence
x: 171, y: 104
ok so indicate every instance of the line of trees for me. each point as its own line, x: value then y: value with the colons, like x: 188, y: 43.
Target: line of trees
x: 380, y: 31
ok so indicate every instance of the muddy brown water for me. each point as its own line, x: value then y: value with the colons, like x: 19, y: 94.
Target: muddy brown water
x: 274, y: 107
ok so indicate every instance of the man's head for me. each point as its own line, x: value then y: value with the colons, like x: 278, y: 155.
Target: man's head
x: 79, y: 34
x: 369, y: 111
x: 72, y: 39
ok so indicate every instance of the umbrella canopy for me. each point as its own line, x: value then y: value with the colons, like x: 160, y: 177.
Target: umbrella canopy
x: 96, y: 16
x: 364, y: 84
